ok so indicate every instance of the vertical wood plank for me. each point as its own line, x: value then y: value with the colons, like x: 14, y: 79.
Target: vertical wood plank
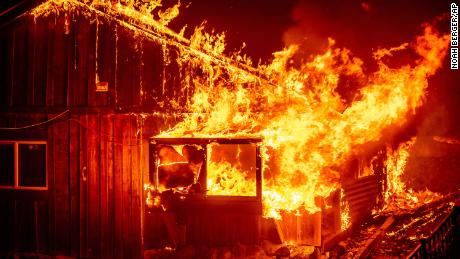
x: 51, y: 188
x: 79, y: 91
x: 83, y: 178
x: 40, y: 62
x: 125, y: 77
x: 5, y: 80
x: 144, y: 156
x: 7, y: 225
x: 135, y: 84
x: 93, y: 178
x: 119, y: 229
x: 91, y: 64
x: 127, y: 189
x: 136, y: 193
x: 61, y: 186
x: 20, y: 57
x: 29, y: 63
x: 57, y: 93
x: 74, y: 184
x: 42, y: 227
x: 24, y: 229
x: 106, y: 186
x: 105, y: 60
x: 71, y: 55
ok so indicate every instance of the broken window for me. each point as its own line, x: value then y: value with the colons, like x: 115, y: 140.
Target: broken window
x: 231, y: 169
x: 215, y: 167
x: 179, y: 165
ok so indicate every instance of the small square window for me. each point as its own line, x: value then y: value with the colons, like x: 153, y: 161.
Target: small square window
x: 23, y: 165
x: 7, y: 164
x: 32, y: 165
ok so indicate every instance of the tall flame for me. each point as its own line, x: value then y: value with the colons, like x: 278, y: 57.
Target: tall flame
x: 307, y: 127
x: 398, y: 197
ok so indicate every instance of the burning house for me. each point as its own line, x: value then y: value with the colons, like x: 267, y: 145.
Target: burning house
x: 120, y: 136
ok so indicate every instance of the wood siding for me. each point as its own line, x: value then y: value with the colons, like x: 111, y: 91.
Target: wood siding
x: 97, y: 152
x: 47, y: 64
x: 96, y: 167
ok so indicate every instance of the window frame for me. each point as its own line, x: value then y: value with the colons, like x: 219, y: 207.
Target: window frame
x: 204, y: 142
x: 16, y: 185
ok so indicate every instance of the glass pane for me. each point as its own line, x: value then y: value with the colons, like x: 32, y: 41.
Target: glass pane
x: 7, y: 164
x: 231, y: 169
x: 32, y: 165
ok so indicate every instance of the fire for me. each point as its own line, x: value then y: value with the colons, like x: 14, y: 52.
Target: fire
x: 225, y: 179
x: 397, y: 196
x: 345, y: 219
x: 446, y: 140
x: 309, y: 130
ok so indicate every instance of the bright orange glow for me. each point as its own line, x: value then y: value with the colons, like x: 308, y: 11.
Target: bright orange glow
x: 446, y: 140
x: 397, y: 196
x: 345, y: 219
x: 309, y: 131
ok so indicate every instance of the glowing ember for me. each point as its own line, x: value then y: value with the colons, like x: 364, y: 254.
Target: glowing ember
x: 345, y: 219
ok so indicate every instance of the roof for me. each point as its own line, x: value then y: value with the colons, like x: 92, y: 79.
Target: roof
x: 125, y: 16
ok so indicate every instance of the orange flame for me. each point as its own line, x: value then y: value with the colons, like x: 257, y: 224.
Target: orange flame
x: 308, y: 129
x: 398, y: 197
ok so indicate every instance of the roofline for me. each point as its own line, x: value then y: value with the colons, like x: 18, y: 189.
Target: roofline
x: 13, y: 12
x: 165, y: 35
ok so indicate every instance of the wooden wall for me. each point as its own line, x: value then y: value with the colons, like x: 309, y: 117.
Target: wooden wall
x: 97, y: 165
x: 98, y: 151
x: 48, y: 64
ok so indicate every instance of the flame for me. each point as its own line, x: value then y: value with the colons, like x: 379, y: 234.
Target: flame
x: 446, y: 140
x: 309, y: 130
x: 225, y: 179
x: 398, y: 197
x: 345, y: 218
x: 235, y: 178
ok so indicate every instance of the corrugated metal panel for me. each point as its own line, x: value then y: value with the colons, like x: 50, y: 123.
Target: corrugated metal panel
x: 361, y: 196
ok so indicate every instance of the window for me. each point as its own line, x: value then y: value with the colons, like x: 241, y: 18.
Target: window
x: 23, y: 165
x: 231, y: 169
x: 7, y: 164
x: 209, y: 166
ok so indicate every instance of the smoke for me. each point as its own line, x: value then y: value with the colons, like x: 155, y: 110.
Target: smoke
x: 361, y: 26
